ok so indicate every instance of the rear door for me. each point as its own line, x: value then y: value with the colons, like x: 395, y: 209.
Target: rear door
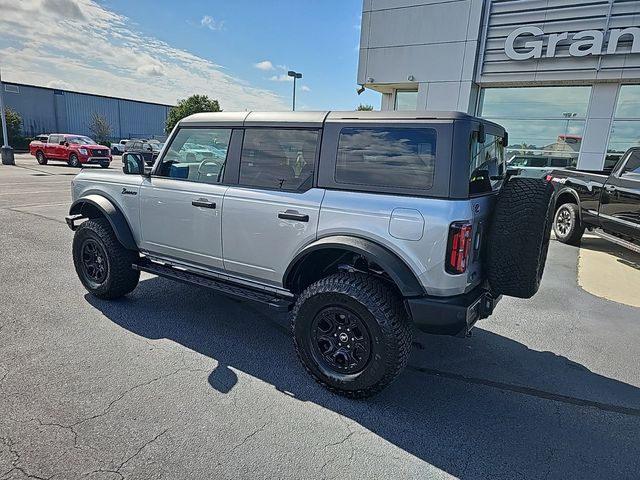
x: 273, y: 212
x: 620, y: 200
x: 52, y: 149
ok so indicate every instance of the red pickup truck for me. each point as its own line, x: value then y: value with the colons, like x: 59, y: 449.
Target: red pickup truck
x: 76, y: 150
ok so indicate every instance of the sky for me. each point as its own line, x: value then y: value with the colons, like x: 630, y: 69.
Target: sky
x: 237, y: 52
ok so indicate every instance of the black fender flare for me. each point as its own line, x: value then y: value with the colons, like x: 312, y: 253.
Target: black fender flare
x: 115, y: 217
x: 397, y: 269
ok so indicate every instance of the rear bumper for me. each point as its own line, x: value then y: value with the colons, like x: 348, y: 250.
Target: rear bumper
x: 451, y: 315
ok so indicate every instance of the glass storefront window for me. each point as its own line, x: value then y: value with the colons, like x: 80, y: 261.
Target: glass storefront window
x: 545, y: 124
x: 406, y: 100
x: 625, y: 131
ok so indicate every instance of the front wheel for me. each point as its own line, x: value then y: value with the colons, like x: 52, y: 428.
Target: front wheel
x: 74, y: 161
x: 103, y: 264
x: 566, y: 224
x: 352, y: 333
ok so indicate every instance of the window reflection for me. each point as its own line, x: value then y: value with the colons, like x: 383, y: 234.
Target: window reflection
x: 406, y: 99
x: 545, y: 124
x: 625, y: 130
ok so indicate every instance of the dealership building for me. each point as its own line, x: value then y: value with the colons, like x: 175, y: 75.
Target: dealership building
x: 563, y: 77
x: 48, y: 110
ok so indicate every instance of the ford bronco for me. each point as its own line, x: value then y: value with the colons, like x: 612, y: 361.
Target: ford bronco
x: 362, y: 225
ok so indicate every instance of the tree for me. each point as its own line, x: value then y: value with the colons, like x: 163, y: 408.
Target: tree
x: 363, y: 107
x: 14, y: 125
x: 189, y: 106
x: 100, y: 128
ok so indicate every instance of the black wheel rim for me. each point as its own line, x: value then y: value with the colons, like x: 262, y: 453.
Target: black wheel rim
x: 563, y: 222
x: 340, y: 340
x: 94, y: 261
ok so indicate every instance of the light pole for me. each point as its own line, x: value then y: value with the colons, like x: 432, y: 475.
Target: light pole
x: 295, y: 76
x: 7, y: 151
x: 568, y: 116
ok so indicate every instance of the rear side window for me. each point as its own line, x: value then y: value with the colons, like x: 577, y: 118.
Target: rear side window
x: 397, y: 157
x: 487, y: 167
x: 280, y: 159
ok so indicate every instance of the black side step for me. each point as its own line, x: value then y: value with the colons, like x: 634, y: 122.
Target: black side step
x: 231, y: 290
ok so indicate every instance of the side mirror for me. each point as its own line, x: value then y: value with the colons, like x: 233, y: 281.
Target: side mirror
x: 133, y: 164
x: 62, y: 142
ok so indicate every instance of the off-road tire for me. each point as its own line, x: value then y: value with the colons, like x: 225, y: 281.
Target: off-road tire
x: 42, y: 160
x: 518, y: 239
x: 383, y: 314
x: 74, y: 161
x: 121, y: 278
x: 572, y: 230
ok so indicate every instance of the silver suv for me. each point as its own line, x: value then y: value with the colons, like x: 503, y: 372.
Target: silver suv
x: 363, y: 225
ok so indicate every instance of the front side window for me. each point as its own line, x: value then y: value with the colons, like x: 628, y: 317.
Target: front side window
x: 487, y: 168
x: 280, y: 159
x: 387, y: 157
x: 197, y: 155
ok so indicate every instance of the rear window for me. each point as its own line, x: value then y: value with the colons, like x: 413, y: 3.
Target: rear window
x: 386, y: 157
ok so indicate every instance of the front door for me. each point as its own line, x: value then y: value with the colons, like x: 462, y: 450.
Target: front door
x: 181, y: 203
x: 273, y: 213
x: 620, y: 201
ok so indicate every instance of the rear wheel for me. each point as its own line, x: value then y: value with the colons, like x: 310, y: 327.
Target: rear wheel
x: 74, y: 161
x: 566, y: 224
x: 102, y: 263
x: 352, y: 333
x: 41, y: 158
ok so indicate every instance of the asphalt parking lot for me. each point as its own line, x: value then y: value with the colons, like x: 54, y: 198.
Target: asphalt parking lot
x: 176, y: 382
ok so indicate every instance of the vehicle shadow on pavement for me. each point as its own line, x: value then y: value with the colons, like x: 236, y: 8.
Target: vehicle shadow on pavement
x: 483, y: 407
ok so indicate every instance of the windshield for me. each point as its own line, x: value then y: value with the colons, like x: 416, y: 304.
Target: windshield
x: 80, y: 141
x: 156, y: 146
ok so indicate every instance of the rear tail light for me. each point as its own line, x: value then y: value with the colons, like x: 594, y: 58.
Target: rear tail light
x: 548, y: 178
x: 458, y: 247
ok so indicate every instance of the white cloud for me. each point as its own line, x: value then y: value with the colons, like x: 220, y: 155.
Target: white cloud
x: 264, y: 65
x: 209, y: 22
x: 107, y: 56
x: 305, y: 88
x: 281, y: 78
x: 151, y: 70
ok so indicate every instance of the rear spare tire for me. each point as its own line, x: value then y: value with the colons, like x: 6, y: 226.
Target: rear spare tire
x: 518, y: 240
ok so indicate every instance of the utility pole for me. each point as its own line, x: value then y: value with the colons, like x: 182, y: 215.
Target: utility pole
x: 7, y: 151
x: 295, y: 75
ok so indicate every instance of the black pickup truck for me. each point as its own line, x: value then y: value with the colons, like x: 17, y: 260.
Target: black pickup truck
x: 607, y: 203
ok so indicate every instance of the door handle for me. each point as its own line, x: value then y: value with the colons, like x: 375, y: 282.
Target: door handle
x: 293, y: 215
x: 610, y: 188
x: 202, y: 202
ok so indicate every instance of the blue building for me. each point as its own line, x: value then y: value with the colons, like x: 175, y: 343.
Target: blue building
x: 47, y: 110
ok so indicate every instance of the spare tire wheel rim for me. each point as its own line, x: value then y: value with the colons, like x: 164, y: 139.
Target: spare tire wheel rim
x: 340, y: 340
x: 564, y: 221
